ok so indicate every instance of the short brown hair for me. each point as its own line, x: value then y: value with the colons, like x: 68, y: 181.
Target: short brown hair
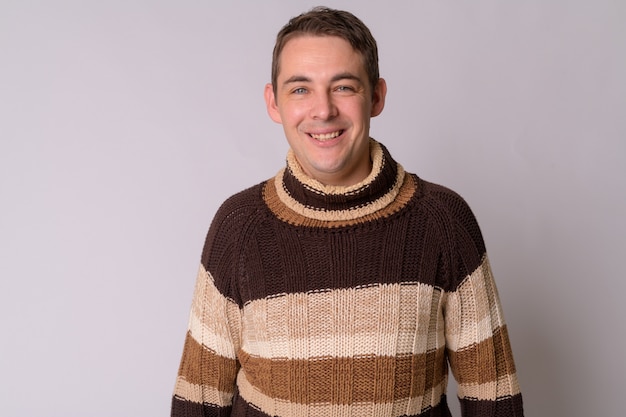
x: 323, y: 21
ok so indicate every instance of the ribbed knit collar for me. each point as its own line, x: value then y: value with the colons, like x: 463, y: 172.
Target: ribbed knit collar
x: 314, y: 200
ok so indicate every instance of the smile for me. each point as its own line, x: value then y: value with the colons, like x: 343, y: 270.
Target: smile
x: 326, y: 136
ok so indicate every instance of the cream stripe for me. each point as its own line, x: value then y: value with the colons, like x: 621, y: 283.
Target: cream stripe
x: 473, y: 311
x: 283, y: 408
x: 208, y: 320
x: 507, y: 385
x: 201, y: 394
x: 385, y: 320
x: 205, y: 336
x: 458, y: 341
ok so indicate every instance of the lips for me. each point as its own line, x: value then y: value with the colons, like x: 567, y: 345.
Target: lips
x: 323, y: 137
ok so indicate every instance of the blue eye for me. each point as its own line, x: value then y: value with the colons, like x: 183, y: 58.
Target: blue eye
x: 300, y: 90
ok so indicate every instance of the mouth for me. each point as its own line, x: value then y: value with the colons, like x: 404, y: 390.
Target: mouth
x: 323, y: 137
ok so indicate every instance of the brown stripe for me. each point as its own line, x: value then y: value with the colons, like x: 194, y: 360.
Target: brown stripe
x: 284, y: 213
x: 346, y: 380
x: 202, y: 366
x: 484, y: 362
x: 185, y: 408
x: 510, y: 406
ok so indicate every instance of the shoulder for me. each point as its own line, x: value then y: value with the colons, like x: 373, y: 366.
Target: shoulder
x: 442, y: 195
x: 231, y: 220
x: 240, y: 205
x: 462, y: 234
x: 444, y: 201
x: 229, y: 230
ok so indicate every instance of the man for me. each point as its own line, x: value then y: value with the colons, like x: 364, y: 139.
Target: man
x: 344, y: 285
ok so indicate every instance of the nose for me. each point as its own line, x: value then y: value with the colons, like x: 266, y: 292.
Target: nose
x: 323, y: 107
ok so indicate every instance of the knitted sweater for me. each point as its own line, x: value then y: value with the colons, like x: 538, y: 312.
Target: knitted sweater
x: 316, y: 300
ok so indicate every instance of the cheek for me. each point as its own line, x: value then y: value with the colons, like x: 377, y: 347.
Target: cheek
x: 357, y: 108
x: 292, y: 114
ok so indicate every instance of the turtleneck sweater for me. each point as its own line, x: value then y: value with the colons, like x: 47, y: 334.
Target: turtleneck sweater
x: 315, y: 300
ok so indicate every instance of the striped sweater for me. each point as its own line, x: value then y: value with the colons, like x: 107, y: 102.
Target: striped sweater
x: 316, y: 300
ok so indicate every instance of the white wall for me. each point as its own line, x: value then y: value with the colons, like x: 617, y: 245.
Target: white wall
x: 124, y: 124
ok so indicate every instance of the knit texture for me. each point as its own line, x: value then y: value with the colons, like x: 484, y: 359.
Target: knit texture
x: 345, y: 301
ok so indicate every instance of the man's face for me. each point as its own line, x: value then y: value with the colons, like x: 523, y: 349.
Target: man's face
x: 324, y: 101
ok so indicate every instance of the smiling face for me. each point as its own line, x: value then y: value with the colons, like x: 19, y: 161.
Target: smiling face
x: 324, y: 101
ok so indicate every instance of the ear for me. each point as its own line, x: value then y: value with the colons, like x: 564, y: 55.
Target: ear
x: 378, y: 98
x: 270, y: 102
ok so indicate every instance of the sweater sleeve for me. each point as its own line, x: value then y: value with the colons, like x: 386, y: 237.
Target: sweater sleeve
x: 206, y: 382
x: 206, y: 377
x: 477, y: 342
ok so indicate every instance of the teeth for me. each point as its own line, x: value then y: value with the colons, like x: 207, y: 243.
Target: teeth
x: 326, y: 136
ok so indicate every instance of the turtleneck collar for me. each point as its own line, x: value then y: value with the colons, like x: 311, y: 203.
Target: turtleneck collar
x: 311, y: 199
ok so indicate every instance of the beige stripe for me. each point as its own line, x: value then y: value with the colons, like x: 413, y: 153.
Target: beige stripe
x: 473, y: 311
x: 213, y: 320
x: 386, y: 320
x: 482, y: 328
x: 201, y: 394
x: 491, y: 391
x: 396, y: 407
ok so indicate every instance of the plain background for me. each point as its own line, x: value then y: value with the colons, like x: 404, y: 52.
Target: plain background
x: 124, y: 125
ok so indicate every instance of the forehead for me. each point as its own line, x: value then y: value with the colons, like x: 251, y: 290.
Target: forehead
x: 313, y: 53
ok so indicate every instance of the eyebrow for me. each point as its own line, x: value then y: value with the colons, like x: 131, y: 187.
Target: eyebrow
x: 338, y: 77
